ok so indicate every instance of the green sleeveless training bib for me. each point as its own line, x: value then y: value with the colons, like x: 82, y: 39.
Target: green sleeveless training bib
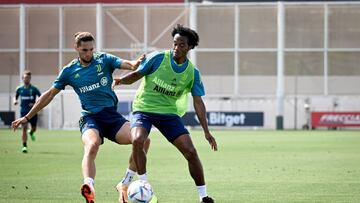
x: 165, y: 91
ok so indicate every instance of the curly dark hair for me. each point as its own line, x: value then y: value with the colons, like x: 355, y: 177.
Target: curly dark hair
x: 193, y: 37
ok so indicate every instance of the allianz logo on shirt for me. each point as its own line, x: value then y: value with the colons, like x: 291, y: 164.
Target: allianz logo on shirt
x: 27, y: 97
x: 103, y: 82
x: 163, y: 84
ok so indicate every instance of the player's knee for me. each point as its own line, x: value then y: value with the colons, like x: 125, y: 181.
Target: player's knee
x: 139, y: 143
x: 91, y: 149
x: 191, y: 154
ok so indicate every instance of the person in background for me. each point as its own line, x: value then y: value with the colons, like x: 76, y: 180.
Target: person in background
x: 28, y: 94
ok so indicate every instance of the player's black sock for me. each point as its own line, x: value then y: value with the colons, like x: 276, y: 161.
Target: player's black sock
x: 24, y: 144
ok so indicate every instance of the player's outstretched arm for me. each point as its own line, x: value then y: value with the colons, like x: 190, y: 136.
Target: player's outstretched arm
x: 127, y: 79
x: 43, y: 101
x: 132, y: 65
x: 200, y: 110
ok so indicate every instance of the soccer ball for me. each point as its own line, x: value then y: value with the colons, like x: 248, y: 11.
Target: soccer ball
x: 140, y: 191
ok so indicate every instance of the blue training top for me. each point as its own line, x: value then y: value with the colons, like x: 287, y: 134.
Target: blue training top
x: 152, y: 62
x: 91, y: 83
x: 27, y: 96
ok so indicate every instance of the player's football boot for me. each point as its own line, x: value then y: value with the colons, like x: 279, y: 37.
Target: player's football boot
x: 88, y: 193
x: 24, y: 150
x: 122, y: 190
x: 207, y: 199
x: 32, y: 136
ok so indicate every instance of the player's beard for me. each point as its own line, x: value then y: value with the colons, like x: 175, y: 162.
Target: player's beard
x: 86, y: 61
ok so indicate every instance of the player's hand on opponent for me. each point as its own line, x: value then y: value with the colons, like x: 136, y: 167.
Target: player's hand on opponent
x: 135, y: 64
x: 211, y: 141
x: 132, y: 65
x: 16, y: 123
x: 116, y: 81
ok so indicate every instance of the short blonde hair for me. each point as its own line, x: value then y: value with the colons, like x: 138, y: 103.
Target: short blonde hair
x: 83, y: 37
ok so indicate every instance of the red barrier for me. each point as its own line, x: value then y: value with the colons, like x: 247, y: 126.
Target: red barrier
x: 335, y: 119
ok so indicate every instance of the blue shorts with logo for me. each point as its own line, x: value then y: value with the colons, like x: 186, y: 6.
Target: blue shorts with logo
x: 171, y: 126
x: 33, y: 120
x: 108, y: 122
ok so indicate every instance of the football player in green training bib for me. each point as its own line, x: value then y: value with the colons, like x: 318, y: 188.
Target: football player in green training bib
x: 162, y: 98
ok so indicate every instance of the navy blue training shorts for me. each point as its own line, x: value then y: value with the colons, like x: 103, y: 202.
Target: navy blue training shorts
x: 32, y: 121
x: 108, y: 122
x: 171, y: 126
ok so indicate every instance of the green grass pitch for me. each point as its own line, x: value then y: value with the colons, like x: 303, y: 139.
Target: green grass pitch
x: 250, y: 166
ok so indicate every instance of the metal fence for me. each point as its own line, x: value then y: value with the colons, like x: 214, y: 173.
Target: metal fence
x: 238, y: 56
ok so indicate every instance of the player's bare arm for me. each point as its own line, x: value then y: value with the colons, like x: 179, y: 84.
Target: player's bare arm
x: 16, y: 97
x: 15, y: 101
x: 127, y: 79
x: 43, y: 101
x: 132, y: 65
x: 201, y: 114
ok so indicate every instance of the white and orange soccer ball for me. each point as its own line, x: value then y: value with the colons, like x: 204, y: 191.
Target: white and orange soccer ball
x: 140, y: 191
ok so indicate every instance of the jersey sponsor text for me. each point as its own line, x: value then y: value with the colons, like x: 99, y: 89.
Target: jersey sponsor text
x: 89, y: 87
